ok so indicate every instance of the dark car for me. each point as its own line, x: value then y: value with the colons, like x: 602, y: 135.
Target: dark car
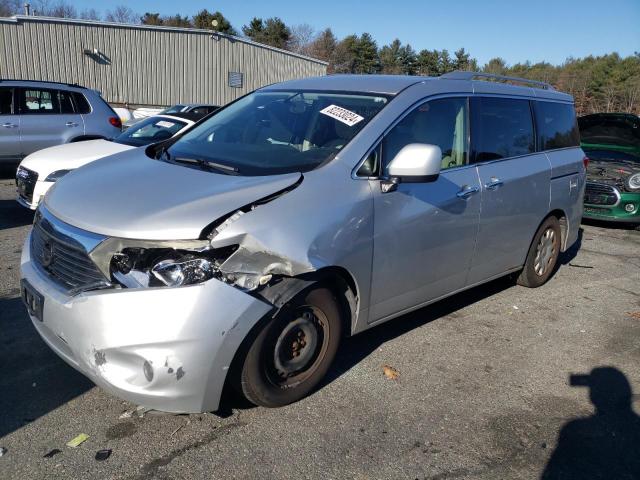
x: 612, y: 143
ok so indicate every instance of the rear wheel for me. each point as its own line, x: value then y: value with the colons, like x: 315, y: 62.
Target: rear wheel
x: 292, y: 353
x: 543, y: 254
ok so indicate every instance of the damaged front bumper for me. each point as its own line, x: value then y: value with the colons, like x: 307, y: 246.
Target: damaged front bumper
x: 167, y: 349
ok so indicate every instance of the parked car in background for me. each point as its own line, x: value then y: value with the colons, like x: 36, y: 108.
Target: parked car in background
x: 247, y: 247
x: 36, y: 115
x: 612, y: 143
x: 40, y: 170
x: 195, y: 108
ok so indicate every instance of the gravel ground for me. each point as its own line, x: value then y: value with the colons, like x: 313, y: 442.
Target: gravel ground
x: 483, y: 390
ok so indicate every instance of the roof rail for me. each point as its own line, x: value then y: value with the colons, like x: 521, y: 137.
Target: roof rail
x: 75, y: 85
x: 462, y: 75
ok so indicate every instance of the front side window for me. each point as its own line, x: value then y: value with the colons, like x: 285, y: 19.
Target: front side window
x: 149, y: 131
x: 6, y: 101
x: 501, y: 128
x: 66, y: 104
x: 441, y: 122
x: 556, y: 124
x: 275, y: 132
x: 174, y: 109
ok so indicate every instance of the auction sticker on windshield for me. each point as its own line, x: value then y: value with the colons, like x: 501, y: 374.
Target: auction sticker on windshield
x: 342, y: 115
x: 165, y: 124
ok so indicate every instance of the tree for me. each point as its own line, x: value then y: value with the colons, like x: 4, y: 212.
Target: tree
x: 177, y: 21
x: 463, y: 60
x: 10, y: 7
x: 496, y: 66
x: 427, y: 62
x: 344, y: 56
x: 122, y: 14
x: 90, y: 14
x: 60, y: 9
x: 302, y: 37
x: 151, y: 19
x: 323, y: 47
x: 366, y: 55
x: 271, y: 31
x: 204, y: 19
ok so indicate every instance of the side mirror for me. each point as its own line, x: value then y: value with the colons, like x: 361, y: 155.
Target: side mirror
x: 416, y: 162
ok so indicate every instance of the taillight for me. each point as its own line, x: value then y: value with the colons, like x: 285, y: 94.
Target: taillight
x: 585, y: 160
x: 116, y: 122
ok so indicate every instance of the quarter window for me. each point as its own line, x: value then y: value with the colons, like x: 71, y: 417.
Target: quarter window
x: 501, y: 128
x: 82, y: 106
x: 556, y: 124
x: 66, y: 104
x: 441, y: 122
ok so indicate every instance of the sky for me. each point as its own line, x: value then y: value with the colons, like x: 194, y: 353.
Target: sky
x: 516, y: 30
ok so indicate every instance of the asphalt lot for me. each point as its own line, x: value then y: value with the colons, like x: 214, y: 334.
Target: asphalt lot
x: 483, y: 391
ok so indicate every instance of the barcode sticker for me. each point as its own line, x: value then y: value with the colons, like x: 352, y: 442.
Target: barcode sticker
x: 342, y: 115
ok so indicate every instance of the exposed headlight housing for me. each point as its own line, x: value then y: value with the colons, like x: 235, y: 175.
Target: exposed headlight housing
x: 57, y: 175
x: 187, y: 271
x: 633, y: 182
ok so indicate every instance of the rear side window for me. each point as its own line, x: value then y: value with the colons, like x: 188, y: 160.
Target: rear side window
x: 6, y: 101
x: 82, y: 106
x: 501, y: 128
x: 556, y: 125
x: 38, y: 101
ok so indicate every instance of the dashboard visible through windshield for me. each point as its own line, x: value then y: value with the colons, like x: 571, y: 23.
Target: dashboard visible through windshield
x: 275, y: 132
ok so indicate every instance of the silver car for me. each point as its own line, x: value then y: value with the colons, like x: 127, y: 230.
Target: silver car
x: 36, y: 115
x: 244, y: 250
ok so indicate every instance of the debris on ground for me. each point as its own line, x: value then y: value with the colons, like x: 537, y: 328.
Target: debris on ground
x: 634, y: 315
x: 3, y: 451
x: 75, y: 442
x: 102, y: 455
x: 515, y: 307
x: 53, y: 452
x: 579, y: 266
x: 390, y: 372
x: 180, y: 428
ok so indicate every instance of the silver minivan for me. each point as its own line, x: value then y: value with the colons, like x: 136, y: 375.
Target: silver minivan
x: 36, y: 115
x: 306, y: 211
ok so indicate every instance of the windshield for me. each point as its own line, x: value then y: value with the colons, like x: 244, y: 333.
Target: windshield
x: 620, y: 130
x: 150, y: 130
x: 174, y: 109
x: 268, y: 133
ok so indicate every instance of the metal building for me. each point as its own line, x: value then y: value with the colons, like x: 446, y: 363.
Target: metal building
x: 142, y: 64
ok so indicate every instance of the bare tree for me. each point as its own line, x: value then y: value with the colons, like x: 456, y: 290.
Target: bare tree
x: 302, y: 36
x: 90, y: 14
x: 59, y: 8
x: 122, y: 14
x: 10, y: 7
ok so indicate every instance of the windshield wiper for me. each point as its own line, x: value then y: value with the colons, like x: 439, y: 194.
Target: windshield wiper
x: 207, y: 165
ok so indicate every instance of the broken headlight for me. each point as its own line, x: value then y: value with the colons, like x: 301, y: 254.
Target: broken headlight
x: 159, y: 267
x: 633, y: 182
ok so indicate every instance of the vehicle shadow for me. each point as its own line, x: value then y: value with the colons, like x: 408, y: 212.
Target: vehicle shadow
x: 606, y: 444
x: 610, y: 225
x: 567, y: 256
x: 8, y: 170
x: 34, y: 380
x: 13, y: 214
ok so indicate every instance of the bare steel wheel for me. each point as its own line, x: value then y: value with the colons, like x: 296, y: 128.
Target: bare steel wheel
x: 543, y: 254
x: 293, y: 351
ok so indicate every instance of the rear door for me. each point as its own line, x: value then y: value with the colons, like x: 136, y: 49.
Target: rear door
x: 514, y: 180
x: 9, y: 126
x: 47, y: 118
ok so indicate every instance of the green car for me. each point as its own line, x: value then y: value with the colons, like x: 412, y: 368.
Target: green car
x: 611, y: 141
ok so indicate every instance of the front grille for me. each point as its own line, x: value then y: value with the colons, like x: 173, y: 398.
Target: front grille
x: 62, y: 258
x: 25, y: 182
x: 598, y: 210
x: 600, y: 194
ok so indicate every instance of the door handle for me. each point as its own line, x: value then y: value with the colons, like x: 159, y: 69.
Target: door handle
x: 71, y: 124
x: 8, y: 125
x: 493, y: 184
x: 467, y: 191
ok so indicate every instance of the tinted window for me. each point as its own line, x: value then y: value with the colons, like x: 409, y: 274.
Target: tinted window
x: 149, y: 131
x: 501, y: 128
x: 438, y: 122
x: 66, y: 104
x: 82, y: 106
x: 34, y: 101
x: 6, y: 101
x: 557, y: 125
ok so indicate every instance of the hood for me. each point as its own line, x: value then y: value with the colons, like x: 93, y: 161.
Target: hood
x: 70, y: 156
x: 131, y: 195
